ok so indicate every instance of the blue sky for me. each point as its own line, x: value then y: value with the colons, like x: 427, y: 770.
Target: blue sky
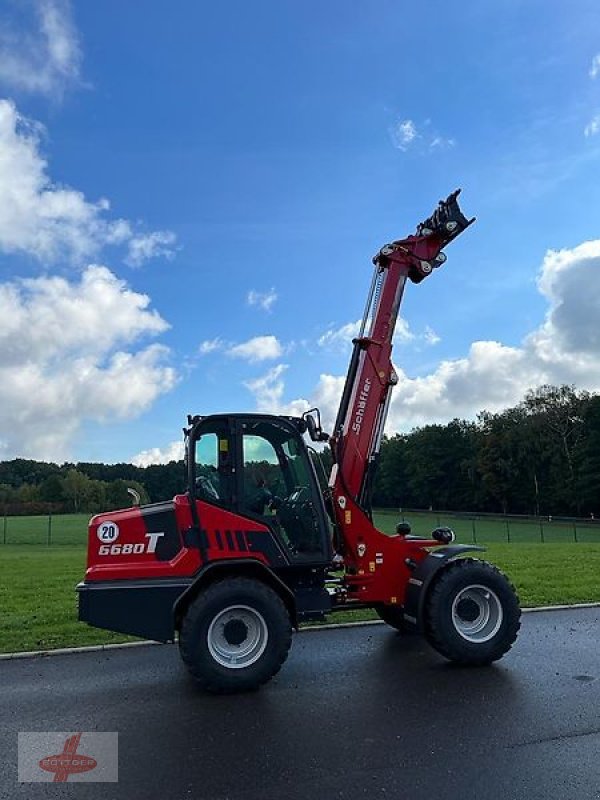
x: 253, y: 157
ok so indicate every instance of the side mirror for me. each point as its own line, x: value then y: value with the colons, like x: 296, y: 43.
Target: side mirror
x: 313, y: 426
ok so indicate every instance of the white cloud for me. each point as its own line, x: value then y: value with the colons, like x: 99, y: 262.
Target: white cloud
x: 141, y: 247
x: 264, y: 300
x: 268, y: 389
x: 564, y: 348
x: 211, y: 346
x: 406, y: 135
x: 259, y: 348
x: 68, y: 354
x: 48, y: 221
x: 593, y: 126
x: 403, y: 134
x: 595, y: 66
x: 340, y: 339
x: 431, y: 336
x: 40, y: 55
x: 159, y: 455
x: 439, y: 142
x: 41, y: 318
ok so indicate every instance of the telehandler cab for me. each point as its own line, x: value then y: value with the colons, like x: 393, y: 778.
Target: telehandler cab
x: 259, y: 542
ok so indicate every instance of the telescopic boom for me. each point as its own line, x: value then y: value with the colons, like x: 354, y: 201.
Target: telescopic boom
x: 365, y: 400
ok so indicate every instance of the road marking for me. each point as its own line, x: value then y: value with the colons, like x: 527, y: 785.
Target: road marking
x: 64, y: 651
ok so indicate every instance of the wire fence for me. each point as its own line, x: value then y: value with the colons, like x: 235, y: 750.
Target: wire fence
x: 478, y: 528
x: 487, y: 528
x: 44, y: 529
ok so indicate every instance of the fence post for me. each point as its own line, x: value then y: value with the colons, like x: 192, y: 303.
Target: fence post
x: 574, y: 531
x: 474, y: 531
x: 49, y: 529
x: 541, y: 531
x: 508, y: 531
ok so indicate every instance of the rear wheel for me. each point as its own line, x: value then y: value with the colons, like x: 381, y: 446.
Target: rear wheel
x: 472, y: 613
x: 235, y: 635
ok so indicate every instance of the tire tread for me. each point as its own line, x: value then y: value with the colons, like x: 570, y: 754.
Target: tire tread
x: 193, y: 620
x: 436, y: 636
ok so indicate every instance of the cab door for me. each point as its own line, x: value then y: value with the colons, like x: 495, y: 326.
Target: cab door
x: 214, y: 464
x: 276, y: 484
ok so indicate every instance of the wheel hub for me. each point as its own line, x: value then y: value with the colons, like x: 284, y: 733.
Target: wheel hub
x: 467, y: 609
x: 237, y: 636
x: 235, y: 631
x: 477, y: 613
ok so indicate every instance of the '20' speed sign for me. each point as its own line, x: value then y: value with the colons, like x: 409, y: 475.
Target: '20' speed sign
x: 108, y: 532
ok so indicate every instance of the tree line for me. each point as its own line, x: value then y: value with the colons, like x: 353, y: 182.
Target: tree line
x: 541, y: 456
x: 38, y: 487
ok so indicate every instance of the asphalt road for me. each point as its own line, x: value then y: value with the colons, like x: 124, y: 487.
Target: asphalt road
x: 358, y: 712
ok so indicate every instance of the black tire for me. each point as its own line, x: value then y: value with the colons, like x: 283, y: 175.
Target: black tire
x: 217, y: 622
x: 471, y: 614
x: 394, y: 617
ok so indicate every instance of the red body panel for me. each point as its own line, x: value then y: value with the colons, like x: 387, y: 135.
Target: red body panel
x: 375, y: 563
x: 123, y: 558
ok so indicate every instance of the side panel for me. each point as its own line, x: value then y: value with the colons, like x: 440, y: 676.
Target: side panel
x: 142, y: 560
x: 226, y: 535
x: 160, y: 541
x: 139, y: 542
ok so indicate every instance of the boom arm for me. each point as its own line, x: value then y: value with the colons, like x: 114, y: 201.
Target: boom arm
x: 365, y: 400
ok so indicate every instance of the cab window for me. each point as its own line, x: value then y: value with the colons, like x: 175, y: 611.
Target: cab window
x: 263, y: 478
x: 277, y: 483
x: 213, y: 473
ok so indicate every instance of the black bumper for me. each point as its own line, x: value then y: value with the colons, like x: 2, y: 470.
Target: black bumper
x: 139, y: 608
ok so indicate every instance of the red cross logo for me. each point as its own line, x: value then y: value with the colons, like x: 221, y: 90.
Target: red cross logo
x: 69, y: 761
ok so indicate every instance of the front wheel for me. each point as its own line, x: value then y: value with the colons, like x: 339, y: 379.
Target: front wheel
x: 235, y: 635
x: 471, y: 614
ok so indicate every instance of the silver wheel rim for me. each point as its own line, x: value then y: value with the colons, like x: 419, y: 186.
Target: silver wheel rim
x: 477, y: 613
x: 237, y: 637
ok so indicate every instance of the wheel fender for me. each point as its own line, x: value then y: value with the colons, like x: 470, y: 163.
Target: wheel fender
x: 235, y: 566
x: 420, y: 580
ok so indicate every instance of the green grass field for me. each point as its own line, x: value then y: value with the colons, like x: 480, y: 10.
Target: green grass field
x: 484, y: 530
x: 37, y: 582
x: 59, y: 530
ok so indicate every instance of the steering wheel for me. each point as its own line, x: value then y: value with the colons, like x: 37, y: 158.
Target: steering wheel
x: 303, y: 493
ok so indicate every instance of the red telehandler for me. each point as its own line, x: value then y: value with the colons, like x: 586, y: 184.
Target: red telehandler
x: 260, y: 541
